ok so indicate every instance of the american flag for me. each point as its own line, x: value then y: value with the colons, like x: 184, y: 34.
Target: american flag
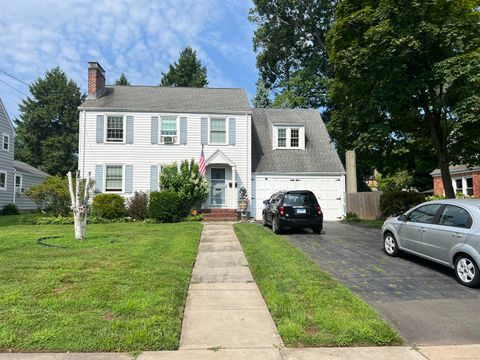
x: 201, y: 164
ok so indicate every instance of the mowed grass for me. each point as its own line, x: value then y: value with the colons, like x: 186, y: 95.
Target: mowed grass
x: 123, y: 289
x: 309, y: 308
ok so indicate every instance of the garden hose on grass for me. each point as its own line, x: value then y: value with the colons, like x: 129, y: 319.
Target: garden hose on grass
x: 40, y: 242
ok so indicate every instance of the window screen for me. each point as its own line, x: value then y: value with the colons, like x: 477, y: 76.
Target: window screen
x: 282, y: 137
x: 218, y: 132
x: 113, y: 178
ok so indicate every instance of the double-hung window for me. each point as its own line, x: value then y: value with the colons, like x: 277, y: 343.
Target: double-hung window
x: 294, y: 138
x: 289, y: 137
x: 6, y: 142
x: 3, y: 180
x: 282, y: 137
x: 18, y: 183
x: 218, y: 131
x: 114, y: 178
x: 115, y: 129
x: 168, y: 130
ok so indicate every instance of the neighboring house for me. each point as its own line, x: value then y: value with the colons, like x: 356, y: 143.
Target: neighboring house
x: 465, y: 180
x: 127, y: 133
x: 15, y: 176
x: 291, y: 150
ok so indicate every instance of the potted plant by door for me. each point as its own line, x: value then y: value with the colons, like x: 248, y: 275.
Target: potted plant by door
x: 243, y: 197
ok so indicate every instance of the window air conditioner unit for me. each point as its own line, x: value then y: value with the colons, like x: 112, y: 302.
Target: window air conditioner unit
x: 169, y: 139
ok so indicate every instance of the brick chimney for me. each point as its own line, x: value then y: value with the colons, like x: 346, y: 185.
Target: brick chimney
x: 96, y: 80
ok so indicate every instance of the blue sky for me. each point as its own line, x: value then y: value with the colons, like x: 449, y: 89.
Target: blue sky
x: 138, y: 37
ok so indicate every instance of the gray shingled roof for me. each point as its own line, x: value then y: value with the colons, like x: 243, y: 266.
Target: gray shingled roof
x: 456, y: 169
x: 319, y: 155
x: 170, y: 99
x: 22, y: 167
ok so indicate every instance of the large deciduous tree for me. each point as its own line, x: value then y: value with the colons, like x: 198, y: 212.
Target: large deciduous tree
x: 292, y: 56
x: 407, y: 72
x: 47, y: 130
x: 188, y: 71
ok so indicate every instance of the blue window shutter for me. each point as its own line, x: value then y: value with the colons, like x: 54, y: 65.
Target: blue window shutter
x: 183, y: 130
x: 232, y: 131
x: 100, y: 129
x: 128, y: 178
x: 154, y: 129
x: 129, y: 138
x: 98, y: 178
x: 154, y: 174
x: 204, y: 131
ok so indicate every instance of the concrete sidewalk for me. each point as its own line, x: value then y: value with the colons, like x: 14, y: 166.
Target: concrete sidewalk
x: 226, y: 318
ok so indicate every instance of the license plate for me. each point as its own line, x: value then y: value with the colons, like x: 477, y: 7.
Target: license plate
x: 301, y: 211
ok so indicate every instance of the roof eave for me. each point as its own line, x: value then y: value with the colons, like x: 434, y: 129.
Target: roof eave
x: 246, y: 111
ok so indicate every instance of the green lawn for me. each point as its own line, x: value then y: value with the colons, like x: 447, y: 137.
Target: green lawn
x: 377, y: 224
x: 123, y: 289
x: 307, y: 305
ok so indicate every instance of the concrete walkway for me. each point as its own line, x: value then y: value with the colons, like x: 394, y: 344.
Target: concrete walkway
x: 226, y: 318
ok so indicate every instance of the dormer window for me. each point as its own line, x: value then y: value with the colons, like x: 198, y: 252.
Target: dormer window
x: 289, y: 137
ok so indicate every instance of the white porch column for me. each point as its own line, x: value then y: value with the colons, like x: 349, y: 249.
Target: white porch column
x: 234, y: 188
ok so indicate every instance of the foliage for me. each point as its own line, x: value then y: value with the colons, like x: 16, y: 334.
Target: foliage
x: 309, y: 307
x: 188, y: 183
x: 434, y: 197
x: 243, y: 195
x: 406, y: 77
x: 261, y: 99
x: 108, y: 206
x: 290, y: 45
x: 51, y: 195
x: 68, y: 220
x: 165, y: 206
x: 10, y: 209
x: 197, y: 217
x: 122, y: 80
x: 399, y: 181
x: 397, y: 202
x: 352, y: 217
x: 188, y: 72
x: 47, y: 131
x: 137, y: 206
x: 123, y: 290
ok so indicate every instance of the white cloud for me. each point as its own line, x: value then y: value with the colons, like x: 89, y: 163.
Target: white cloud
x: 139, y: 37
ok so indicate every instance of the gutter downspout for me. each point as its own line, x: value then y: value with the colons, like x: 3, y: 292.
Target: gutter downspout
x: 83, y: 146
x: 14, y: 171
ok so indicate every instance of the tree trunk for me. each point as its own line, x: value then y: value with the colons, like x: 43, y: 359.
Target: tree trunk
x: 79, y: 226
x: 441, y: 148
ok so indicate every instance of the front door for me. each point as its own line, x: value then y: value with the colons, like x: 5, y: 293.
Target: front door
x: 217, y: 186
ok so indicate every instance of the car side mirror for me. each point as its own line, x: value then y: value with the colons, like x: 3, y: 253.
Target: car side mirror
x: 266, y: 202
x: 402, y: 218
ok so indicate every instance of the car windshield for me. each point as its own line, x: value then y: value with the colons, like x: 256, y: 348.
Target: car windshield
x: 299, y: 199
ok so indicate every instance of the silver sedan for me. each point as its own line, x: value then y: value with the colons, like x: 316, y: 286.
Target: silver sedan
x: 444, y: 231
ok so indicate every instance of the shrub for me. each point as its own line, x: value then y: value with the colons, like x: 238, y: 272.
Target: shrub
x: 397, y: 202
x: 10, y: 209
x: 165, y: 206
x: 197, y: 217
x: 51, y: 195
x: 137, y: 206
x: 188, y: 183
x: 352, y: 217
x: 108, y: 206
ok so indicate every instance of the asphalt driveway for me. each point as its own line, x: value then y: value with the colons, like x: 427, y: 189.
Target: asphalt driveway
x: 421, y: 299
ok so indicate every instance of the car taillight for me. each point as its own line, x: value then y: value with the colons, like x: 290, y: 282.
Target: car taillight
x: 319, y: 209
x: 282, y: 211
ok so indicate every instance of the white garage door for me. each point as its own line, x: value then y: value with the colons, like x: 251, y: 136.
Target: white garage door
x: 329, y: 190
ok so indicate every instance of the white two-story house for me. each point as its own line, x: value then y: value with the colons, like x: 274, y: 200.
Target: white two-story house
x: 128, y: 133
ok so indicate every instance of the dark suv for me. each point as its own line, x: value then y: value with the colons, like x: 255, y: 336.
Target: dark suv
x: 293, y: 209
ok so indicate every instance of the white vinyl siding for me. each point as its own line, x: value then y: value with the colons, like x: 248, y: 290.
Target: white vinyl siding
x: 169, y: 127
x: 142, y: 153
x: 115, y: 129
x: 3, y: 180
x: 218, y: 131
x: 114, y: 178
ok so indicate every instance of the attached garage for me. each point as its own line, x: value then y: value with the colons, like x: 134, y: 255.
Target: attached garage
x: 311, y: 164
x: 329, y: 190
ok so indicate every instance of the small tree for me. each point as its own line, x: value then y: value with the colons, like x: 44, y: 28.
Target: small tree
x: 188, y: 183
x: 79, y: 197
x: 51, y: 195
x: 122, y: 80
x: 261, y: 99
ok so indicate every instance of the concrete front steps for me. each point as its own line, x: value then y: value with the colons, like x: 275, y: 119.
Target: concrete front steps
x: 220, y: 215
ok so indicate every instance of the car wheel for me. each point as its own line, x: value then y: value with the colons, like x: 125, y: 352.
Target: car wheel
x: 466, y: 271
x: 275, y: 227
x: 264, y: 220
x: 390, y: 244
x: 317, y: 229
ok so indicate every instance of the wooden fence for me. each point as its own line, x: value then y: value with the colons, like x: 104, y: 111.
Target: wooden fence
x: 365, y: 204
